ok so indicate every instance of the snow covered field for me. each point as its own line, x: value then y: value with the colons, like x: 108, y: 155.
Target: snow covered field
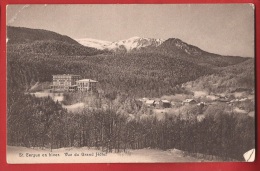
x: 55, y: 96
x: 91, y: 155
x: 59, y: 97
x: 74, y: 107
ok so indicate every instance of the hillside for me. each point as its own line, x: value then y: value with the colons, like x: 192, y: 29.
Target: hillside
x: 228, y: 79
x: 51, y: 47
x: 139, y: 75
x: 146, y: 71
x: 27, y: 35
x: 36, y: 41
x: 171, y: 47
x: 181, y: 50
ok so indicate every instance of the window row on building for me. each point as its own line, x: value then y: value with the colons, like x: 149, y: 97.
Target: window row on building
x: 68, y: 82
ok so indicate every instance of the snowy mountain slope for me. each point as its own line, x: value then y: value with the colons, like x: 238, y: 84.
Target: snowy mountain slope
x: 133, y: 43
x: 94, y: 43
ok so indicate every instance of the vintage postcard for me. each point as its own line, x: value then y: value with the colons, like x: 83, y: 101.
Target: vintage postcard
x: 130, y: 83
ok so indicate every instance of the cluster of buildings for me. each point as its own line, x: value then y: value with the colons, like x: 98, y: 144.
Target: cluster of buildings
x: 69, y: 82
x: 169, y: 104
x: 157, y: 103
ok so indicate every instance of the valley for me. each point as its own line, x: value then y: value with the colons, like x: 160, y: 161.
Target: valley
x: 118, y: 118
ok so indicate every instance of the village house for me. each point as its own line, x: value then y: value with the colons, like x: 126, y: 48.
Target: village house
x: 150, y: 103
x: 156, y: 103
x: 164, y: 104
x: 64, y: 82
x: 188, y: 102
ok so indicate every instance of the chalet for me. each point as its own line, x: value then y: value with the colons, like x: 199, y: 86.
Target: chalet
x: 86, y: 85
x: 150, y: 103
x: 64, y: 82
x: 188, y: 102
x: 156, y: 103
x: 164, y: 104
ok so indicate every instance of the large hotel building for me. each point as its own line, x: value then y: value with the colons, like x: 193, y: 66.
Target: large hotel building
x: 86, y: 85
x: 69, y: 82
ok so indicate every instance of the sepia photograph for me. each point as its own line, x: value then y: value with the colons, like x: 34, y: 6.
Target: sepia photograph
x: 130, y: 83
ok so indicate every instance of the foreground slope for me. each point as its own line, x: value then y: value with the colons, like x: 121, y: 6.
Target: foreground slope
x: 131, y: 156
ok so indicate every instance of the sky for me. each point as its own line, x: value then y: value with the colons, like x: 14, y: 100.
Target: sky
x: 226, y: 29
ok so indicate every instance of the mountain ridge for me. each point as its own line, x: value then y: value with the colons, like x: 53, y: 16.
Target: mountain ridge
x: 28, y: 35
x: 173, y: 47
x: 126, y: 45
x: 35, y: 41
x: 147, y: 71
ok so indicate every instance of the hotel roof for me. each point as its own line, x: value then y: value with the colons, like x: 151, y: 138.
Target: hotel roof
x: 87, y: 80
x: 150, y: 101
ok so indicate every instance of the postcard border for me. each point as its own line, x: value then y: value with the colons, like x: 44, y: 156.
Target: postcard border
x: 135, y: 166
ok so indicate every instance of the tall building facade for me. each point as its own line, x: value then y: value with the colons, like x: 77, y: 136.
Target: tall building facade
x: 64, y: 82
x: 87, y: 85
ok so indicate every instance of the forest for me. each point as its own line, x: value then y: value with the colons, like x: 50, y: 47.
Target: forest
x: 138, y: 75
x: 41, y: 122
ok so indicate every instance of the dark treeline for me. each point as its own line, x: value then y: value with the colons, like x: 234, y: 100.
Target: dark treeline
x: 41, y: 122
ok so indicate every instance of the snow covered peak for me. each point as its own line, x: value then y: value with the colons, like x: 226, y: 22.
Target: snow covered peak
x: 133, y: 43
x: 136, y: 43
x: 94, y: 43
